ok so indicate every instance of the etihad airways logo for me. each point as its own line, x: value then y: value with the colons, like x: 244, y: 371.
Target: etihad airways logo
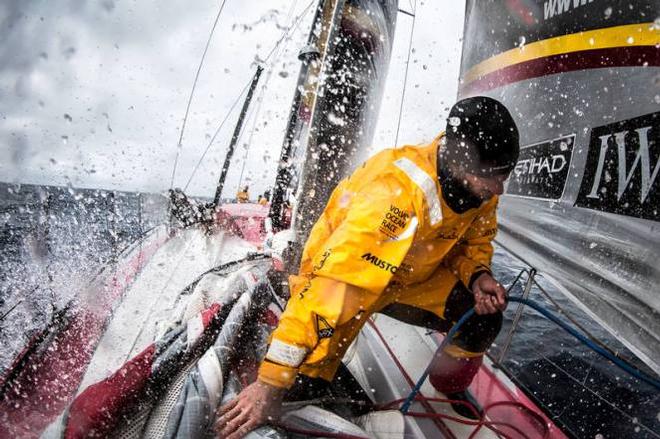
x: 537, y: 165
x: 622, y: 168
x: 382, y: 264
x: 542, y: 169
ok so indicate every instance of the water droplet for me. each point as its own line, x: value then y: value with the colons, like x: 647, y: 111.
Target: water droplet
x: 656, y: 23
x: 630, y: 40
x: 455, y: 121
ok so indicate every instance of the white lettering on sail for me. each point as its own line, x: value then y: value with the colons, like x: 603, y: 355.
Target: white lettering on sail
x: 558, y: 159
x: 558, y: 7
x: 642, y: 159
x: 551, y: 164
x: 599, y: 168
x: 549, y: 9
x: 643, y: 153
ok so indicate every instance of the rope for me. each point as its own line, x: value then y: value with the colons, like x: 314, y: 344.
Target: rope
x: 2, y: 317
x: 405, y: 77
x: 631, y: 370
x: 192, y: 91
x: 494, y: 426
x: 428, y: 407
x: 577, y: 324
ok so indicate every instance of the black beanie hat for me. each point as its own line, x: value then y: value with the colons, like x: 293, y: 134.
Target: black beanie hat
x: 481, y: 138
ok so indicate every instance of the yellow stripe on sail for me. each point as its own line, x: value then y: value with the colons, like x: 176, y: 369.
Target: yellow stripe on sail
x: 641, y: 34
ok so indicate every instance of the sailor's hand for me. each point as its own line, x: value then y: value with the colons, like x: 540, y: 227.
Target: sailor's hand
x: 489, y: 295
x: 257, y: 404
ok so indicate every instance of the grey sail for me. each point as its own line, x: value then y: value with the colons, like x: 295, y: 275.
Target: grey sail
x: 583, y: 204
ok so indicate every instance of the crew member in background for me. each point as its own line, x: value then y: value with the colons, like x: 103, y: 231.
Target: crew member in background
x: 243, y: 196
x: 408, y: 234
x: 263, y: 200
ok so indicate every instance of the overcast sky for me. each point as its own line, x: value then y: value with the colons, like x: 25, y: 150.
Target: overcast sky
x: 93, y: 93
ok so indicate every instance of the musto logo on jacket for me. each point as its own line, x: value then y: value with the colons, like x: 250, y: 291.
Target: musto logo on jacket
x: 382, y: 264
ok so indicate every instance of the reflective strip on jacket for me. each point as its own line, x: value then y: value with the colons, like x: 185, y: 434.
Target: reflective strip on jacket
x: 386, y: 222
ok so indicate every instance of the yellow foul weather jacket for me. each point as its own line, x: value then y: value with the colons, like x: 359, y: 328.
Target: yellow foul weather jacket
x: 386, y: 225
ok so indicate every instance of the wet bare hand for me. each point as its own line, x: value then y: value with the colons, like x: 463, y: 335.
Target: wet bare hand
x: 489, y: 295
x: 257, y: 404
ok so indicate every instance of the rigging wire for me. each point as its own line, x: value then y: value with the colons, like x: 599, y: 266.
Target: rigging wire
x: 192, y: 91
x: 295, y: 26
x: 287, y: 31
x: 405, y: 77
x: 254, y: 124
x: 217, y: 131
x: 262, y: 93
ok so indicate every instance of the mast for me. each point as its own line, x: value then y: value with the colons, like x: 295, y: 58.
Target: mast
x: 309, y: 55
x: 235, y: 136
x: 334, y: 111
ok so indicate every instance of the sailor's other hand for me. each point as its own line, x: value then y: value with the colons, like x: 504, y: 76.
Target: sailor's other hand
x: 257, y: 404
x: 489, y: 295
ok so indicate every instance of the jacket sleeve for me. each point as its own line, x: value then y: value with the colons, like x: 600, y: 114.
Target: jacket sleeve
x: 350, y: 270
x: 473, y: 254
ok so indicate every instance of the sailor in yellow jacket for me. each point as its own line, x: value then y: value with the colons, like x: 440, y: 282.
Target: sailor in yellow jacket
x: 243, y: 196
x: 407, y: 234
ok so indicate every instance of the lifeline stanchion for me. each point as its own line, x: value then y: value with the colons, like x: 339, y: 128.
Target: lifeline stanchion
x: 547, y: 314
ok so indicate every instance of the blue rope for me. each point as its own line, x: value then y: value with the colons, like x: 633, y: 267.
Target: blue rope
x: 547, y: 314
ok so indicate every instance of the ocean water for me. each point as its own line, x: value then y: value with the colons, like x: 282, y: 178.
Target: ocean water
x: 582, y: 392
x: 54, y: 239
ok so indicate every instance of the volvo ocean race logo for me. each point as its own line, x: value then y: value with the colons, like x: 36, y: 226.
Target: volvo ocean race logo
x: 622, y: 167
x: 394, y: 221
x: 323, y: 328
x: 542, y: 169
